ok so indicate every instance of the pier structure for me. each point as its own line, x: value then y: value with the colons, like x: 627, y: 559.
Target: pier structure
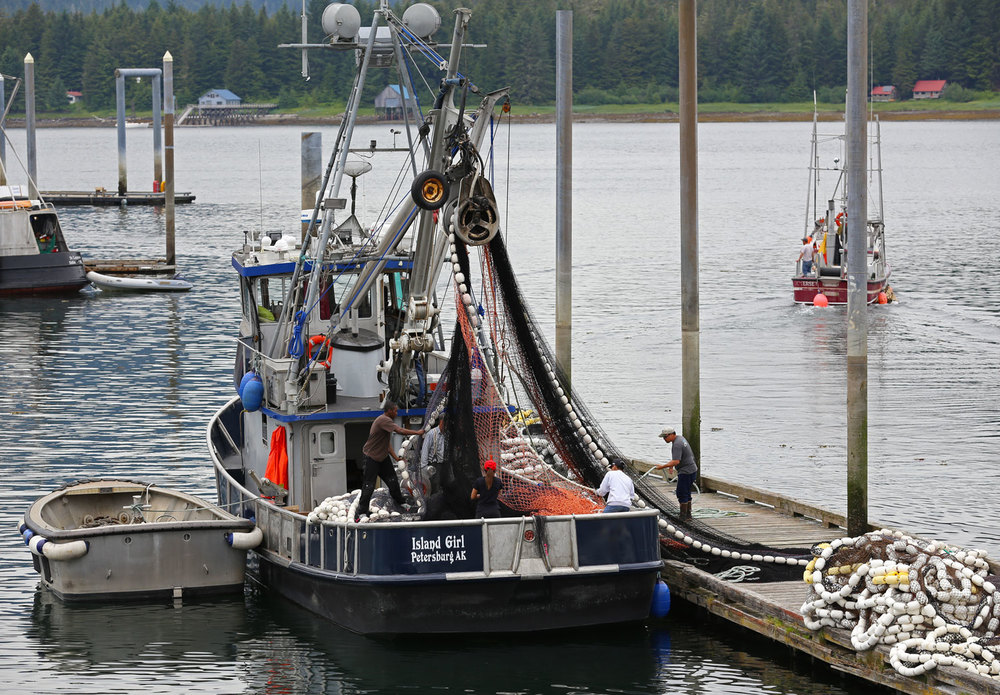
x: 227, y: 114
x: 773, y: 609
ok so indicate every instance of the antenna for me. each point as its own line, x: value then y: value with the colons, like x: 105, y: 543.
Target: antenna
x: 305, y: 52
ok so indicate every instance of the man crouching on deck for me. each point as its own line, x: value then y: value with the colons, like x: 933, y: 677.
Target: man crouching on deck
x: 377, y: 451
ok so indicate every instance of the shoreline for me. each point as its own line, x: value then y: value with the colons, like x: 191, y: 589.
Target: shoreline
x: 661, y: 117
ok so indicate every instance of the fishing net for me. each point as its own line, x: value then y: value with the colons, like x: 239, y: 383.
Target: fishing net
x: 551, y: 453
x: 936, y: 605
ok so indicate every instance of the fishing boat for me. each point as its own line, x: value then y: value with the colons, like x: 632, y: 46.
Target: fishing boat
x: 122, y: 539
x: 343, y: 321
x: 826, y: 224
x: 34, y: 256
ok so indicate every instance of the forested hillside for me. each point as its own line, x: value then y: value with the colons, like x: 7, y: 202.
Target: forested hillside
x: 625, y: 50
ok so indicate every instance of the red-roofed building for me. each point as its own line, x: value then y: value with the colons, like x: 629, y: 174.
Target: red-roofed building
x: 74, y: 97
x: 886, y: 93
x: 928, y: 89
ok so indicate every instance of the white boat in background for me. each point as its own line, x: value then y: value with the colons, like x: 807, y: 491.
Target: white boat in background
x: 125, y: 539
x: 826, y: 224
x: 138, y: 284
x: 34, y: 256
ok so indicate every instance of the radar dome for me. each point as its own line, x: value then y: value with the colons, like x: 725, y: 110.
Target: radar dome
x: 341, y: 21
x: 422, y: 19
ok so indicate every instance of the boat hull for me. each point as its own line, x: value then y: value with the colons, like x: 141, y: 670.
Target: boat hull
x: 835, y: 288
x: 50, y: 273
x: 121, y: 283
x: 442, y: 606
x: 90, y: 542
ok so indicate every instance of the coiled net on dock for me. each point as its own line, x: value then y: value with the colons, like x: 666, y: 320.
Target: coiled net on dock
x: 936, y: 605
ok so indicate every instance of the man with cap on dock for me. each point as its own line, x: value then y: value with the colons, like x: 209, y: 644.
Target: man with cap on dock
x: 682, y: 460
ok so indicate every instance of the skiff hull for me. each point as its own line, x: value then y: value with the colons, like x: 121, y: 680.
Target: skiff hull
x: 90, y: 542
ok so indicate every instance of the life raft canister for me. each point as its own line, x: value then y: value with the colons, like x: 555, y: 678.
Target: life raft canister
x: 318, y: 346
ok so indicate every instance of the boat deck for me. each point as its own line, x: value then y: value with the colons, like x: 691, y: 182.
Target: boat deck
x: 102, y: 196
x: 773, y: 609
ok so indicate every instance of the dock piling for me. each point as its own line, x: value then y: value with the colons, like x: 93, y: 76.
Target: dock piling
x: 690, y: 322
x: 311, y: 172
x: 857, y: 267
x: 29, y: 124
x: 564, y: 192
x: 168, y: 137
x: 3, y: 140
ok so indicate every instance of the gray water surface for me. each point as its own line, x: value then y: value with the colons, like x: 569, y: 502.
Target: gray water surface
x: 123, y: 385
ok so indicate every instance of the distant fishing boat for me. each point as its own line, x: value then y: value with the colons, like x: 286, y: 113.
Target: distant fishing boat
x: 124, y: 539
x: 136, y: 124
x: 827, y: 226
x: 34, y: 256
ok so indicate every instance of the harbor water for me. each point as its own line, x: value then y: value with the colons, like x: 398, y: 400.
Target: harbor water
x: 104, y: 384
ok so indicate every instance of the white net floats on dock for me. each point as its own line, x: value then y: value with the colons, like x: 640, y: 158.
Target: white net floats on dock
x: 935, y: 604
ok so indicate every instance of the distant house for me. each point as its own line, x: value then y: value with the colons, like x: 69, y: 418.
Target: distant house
x: 74, y: 97
x: 928, y: 89
x: 219, y: 97
x: 389, y: 104
x: 884, y: 93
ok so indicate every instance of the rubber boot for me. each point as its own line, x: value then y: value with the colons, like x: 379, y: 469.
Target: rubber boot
x: 685, y: 511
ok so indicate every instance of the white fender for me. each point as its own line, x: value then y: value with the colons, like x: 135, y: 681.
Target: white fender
x: 245, y: 541
x: 57, y: 551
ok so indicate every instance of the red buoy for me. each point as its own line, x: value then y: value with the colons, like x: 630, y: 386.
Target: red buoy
x: 882, y: 298
x: 820, y: 300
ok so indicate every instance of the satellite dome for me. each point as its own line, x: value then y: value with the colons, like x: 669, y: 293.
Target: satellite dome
x: 341, y: 21
x: 422, y: 19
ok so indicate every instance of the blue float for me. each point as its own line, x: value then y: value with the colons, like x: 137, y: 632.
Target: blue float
x: 661, y: 600
x: 249, y: 376
x: 253, y: 394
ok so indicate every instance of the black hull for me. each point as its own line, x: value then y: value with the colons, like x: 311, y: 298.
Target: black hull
x: 442, y: 606
x: 49, y: 273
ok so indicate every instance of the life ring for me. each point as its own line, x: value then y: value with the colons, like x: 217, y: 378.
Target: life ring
x: 839, y: 219
x: 323, y: 343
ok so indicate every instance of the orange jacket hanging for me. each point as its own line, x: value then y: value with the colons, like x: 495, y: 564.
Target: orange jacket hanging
x: 277, y: 460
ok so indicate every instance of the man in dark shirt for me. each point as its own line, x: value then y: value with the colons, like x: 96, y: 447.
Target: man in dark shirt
x: 377, y: 453
x: 485, y: 491
x: 681, y: 458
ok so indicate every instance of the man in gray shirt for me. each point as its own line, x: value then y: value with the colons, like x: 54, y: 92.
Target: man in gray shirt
x: 681, y: 459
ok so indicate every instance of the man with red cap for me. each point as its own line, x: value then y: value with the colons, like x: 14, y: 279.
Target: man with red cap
x: 485, y: 491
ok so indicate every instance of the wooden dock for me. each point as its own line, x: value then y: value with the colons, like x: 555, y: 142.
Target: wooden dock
x: 102, y: 196
x: 130, y: 266
x: 773, y: 609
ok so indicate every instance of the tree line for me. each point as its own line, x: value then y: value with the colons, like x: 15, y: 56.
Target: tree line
x: 625, y: 51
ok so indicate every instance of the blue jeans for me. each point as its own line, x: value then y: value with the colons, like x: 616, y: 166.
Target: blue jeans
x: 684, y: 483
x: 612, y: 508
x: 807, y: 267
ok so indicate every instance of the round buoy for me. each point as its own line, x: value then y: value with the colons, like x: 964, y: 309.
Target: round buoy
x: 661, y: 600
x: 820, y: 300
x: 253, y: 394
x: 243, y: 382
x: 882, y: 298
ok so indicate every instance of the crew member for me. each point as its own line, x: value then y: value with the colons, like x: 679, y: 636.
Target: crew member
x: 618, y: 487
x: 682, y: 460
x: 377, y: 452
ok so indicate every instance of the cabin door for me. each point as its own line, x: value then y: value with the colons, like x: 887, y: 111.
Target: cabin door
x: 326, y: 459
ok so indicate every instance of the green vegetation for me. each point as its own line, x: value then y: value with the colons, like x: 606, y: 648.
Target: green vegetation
x: 771, y: 54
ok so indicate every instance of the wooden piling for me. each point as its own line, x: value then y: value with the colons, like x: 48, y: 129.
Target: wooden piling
x: 564, y: 192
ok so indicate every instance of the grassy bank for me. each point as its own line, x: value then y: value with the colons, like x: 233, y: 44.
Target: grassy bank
x: 929, y: 109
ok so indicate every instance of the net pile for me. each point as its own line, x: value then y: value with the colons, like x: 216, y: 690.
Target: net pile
x: 936, y: 605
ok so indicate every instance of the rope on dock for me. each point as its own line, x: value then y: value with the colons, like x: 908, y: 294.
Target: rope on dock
x: 936, y: 604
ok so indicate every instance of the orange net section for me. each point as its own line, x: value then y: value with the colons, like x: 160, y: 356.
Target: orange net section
x: 531, y: 484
